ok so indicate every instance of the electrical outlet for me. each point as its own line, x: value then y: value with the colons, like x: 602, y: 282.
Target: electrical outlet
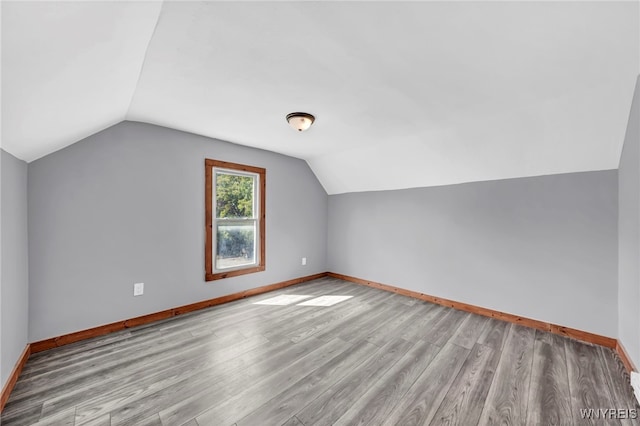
x: 138, y: 289
x: 304, y: 261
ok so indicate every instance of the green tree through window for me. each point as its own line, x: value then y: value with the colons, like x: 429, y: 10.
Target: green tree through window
x: 234, y: 196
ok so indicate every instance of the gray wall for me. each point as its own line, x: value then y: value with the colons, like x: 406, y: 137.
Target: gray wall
x: 14, y: 308
x: 543, y: 247
x: 127, y: 205
x: 629, y: 234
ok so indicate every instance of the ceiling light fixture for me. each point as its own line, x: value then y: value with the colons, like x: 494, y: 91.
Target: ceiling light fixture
x: 300, y: 120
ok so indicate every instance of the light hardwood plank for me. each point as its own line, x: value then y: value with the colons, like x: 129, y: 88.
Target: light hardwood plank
x: 293, y: 421
x: 333, y: 403
x: 467, y: 334
x: 125, y: 377
x: 302, y: 383
x: 443, y: 330
x: 421, y: 328
x: 253, y: 378
x: 21, y: 412
x: 463, y: 403
x: 62, y: 418
x: 549, y: 395
x: 587, y: 382
x: 420, y: 403
x: 495, y: 334
x: 618, y: 380
x: 139, y: 401
x: 508, y: 395
x: 104, y: 420
x: 198, y: 388
x: 409, y: 314
x: 153, y: 420
x: 376, y: 403
x: 366, y: 324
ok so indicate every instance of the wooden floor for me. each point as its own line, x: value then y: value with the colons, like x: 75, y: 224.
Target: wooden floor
x: 376, y: 358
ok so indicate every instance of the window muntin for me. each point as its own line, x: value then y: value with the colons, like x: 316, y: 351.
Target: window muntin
x: 235, y: 219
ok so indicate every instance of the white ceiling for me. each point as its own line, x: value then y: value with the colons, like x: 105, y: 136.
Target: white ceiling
x: 405, y: 94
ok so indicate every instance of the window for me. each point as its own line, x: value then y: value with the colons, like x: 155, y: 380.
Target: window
x: 235, y: 219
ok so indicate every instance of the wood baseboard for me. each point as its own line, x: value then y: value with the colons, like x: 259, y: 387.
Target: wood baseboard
x: 584, y: 336
x: 13, y: 377
x: 55, y: 342
x: 624, y: 356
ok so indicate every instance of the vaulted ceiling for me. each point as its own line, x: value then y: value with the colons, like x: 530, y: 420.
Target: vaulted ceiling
x: 405, y: 94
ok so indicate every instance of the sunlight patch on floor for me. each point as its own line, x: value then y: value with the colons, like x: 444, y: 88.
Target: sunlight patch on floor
x: 283, y: 299
x: 325, y: 301
x: 290, y: 299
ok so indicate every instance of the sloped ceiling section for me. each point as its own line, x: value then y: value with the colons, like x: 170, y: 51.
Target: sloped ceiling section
x: 69, y: 69
x: 406, y: 94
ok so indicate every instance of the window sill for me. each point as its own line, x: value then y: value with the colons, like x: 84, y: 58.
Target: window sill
x: 234, y: 273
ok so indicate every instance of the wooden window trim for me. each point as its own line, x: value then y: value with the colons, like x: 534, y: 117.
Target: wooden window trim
x: 208, y: 246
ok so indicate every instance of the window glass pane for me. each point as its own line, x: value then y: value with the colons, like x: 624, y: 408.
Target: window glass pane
x: 235, y: 245
x: 234, y: 195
